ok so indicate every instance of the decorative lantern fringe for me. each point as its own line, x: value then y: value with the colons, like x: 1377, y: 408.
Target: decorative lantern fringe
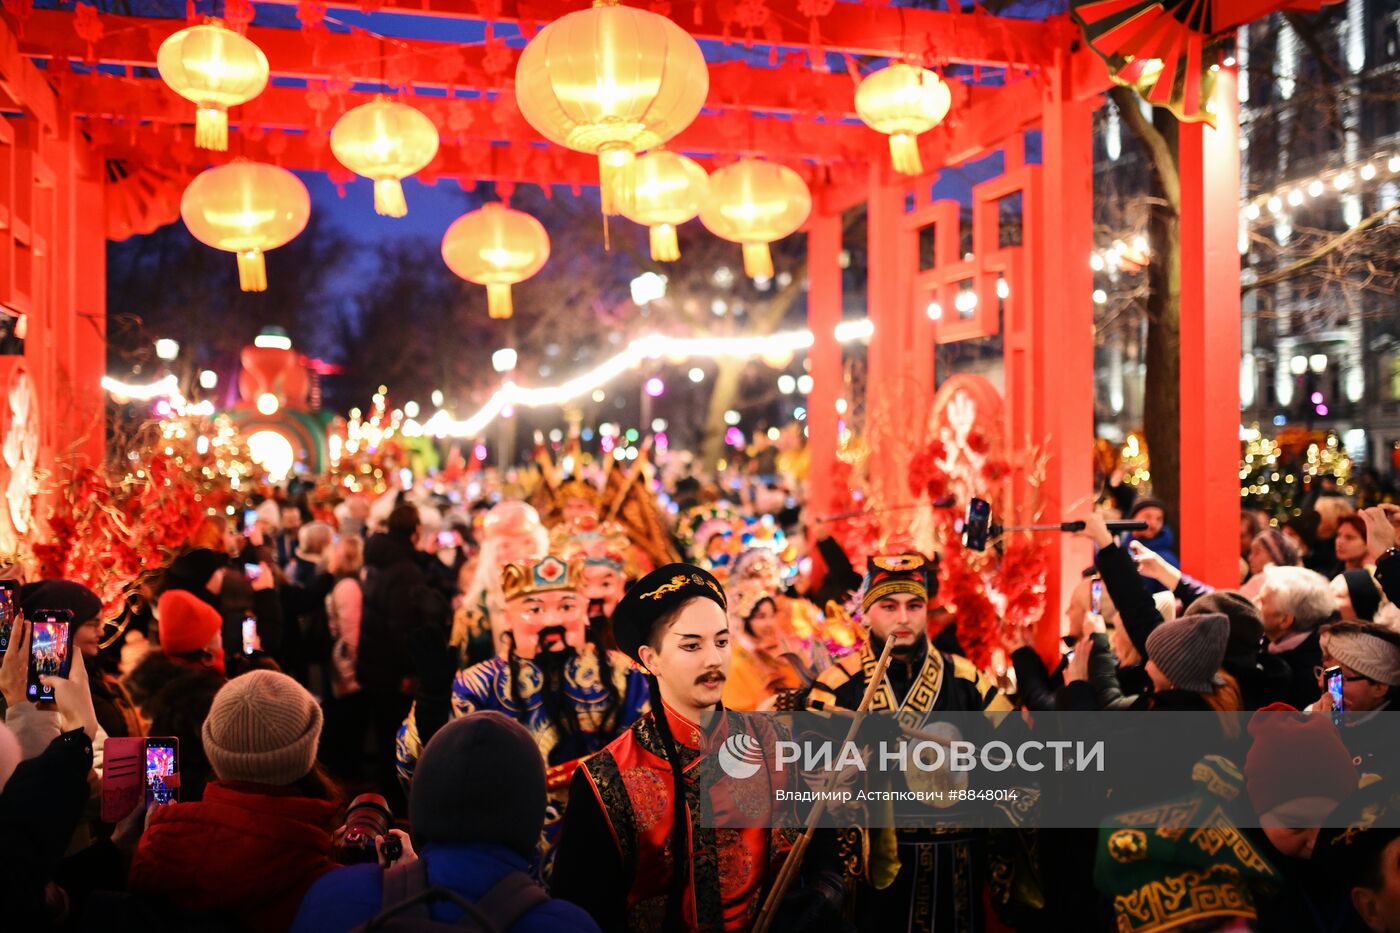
x: 252, y: 271
x: 388, y: 198
x: 498, y: 303
x: 904, y: 153
x: 758, y: 261
x: 617, y: 180
x: 211, y: 128
x: 664, y: 247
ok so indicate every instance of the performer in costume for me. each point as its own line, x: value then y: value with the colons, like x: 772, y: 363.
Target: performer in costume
x: 510, y: 532
x: 603, y: 548
x: 633, y: 852
x: 572, y: 697
x: 915, y: 879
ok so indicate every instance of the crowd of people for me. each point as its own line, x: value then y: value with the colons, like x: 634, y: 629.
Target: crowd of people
x: 414, y: 710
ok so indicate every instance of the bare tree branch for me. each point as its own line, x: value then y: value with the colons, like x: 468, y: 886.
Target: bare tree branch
x: 1332, y: 246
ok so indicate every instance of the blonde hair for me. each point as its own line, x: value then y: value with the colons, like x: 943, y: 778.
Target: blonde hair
x: 1331, y: 510
x: 347, y: 557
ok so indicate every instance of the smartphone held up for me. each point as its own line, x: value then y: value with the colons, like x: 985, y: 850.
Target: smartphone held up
x: 9, y: 611
x: 50, y: 651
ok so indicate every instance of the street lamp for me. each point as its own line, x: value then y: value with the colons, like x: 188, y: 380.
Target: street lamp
x: 504, y: 360
x: 1318, y: 362
x: 648, y: 287
x: 208, y: 380
x: 167, y: 349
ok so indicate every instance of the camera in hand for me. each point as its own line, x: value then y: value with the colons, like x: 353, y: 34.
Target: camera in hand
x: 368, y: 817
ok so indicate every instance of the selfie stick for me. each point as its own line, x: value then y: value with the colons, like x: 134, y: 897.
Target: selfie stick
x: 1113, y: 527
x: 793, y: 862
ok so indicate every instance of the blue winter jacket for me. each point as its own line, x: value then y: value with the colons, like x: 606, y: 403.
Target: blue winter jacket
x: 347, y: 897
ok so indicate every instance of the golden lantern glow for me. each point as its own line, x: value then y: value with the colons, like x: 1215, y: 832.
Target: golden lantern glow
x: 216, y: 68
x: 670, y: 189
x: 497, y: 247
x: 611, y: 81
x: 246, y: 208
x: 386, y: 141
x: 754, y: 203
x: 903, y: 100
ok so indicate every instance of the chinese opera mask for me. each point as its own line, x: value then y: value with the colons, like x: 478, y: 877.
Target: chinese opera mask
x: 603, y: 548
x: 544, y: 608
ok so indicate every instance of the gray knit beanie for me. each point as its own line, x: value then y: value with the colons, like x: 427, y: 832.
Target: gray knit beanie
x: 263, y: 728
x: 1246, y: 624
x: 480, y: 779
x: 1190, y: 650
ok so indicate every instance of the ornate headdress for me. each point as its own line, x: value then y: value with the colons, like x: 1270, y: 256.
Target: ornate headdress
x: 888, y: 574
x: 541, y: 576
x: 597, y: 544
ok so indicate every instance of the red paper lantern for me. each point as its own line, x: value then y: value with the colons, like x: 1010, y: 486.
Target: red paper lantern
x: 754, y: 203
x: 496, y: 247
x: 387, y: 141
x: 902, y: 101
x: 216, y: 68
x: 246, y: 208
x: 670, y: 189
x: 611, y: 81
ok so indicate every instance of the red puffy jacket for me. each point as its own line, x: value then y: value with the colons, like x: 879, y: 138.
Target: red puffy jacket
x: 245, y: 850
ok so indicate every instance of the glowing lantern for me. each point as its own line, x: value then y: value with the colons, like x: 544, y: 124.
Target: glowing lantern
x: 496, y: 247
x: 754, y: 203
x: 216, y: 68
x: 246, y: 208
x: 611, y: 81
x: 386, y: 141
x: 903, y: 101
x: 670, y: 189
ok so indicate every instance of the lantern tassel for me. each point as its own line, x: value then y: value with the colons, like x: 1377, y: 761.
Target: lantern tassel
x: 617, y: 180
x: 252, y: 271
x: 211, y: 128
x: 498, y: 303
x: 664, y: 247
x: 388, y: 198
x: 758, y: 261
x: 904, y: 153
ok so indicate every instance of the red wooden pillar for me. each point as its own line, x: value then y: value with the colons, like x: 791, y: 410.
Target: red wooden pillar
x: 899, y: 377
x: 823, y: 314
x: 1060, y: 351
x: 1210, y: 341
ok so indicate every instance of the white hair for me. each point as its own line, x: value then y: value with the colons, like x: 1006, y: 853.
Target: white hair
x: 1388, y: 616
x: 314, y: 538
x: 1304, y: 594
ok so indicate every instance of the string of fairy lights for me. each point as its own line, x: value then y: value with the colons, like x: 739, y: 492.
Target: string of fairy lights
x: 1349, y: 178
x: 511, y: 395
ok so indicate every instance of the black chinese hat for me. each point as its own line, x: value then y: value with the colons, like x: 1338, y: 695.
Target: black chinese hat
x: 654, y: 597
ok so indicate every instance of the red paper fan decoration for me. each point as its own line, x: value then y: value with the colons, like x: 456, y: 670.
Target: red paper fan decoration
x: 140, y: 197
x: 1164, y: 48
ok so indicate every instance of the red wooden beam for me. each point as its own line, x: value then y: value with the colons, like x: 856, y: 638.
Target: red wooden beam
x: 131, y: 41
x: 22, y: 83
x: 990, y: 116
x: 138, y: 99
x: 855, y: 28
x: 511, y: 163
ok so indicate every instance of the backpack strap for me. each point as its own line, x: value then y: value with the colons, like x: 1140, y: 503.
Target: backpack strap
x: 511, y: 898
x: 404, y: 882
